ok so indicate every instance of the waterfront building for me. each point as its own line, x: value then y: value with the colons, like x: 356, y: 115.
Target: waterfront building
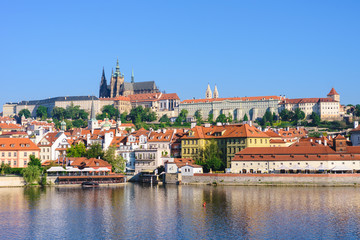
x: 237, y: 107
x: 16, y: 151
x: 327, y: 108
x: 53, y: 145
x: 185, y: 166
x: 147, y: 159
x: 355, y: 134
x: 118, y: 87
x: 92, y: 163
x: 230, y: 139
x: 304, y: 156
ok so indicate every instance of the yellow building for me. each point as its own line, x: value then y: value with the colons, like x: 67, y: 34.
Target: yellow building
x: 230, y: 139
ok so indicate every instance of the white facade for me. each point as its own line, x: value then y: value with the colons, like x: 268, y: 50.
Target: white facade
x: 189, y: 170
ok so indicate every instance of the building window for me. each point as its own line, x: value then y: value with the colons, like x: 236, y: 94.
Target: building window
x: 3, y: 154
x: 15, y: 163
x: 15, y: 154
x: 25, y: 163
x: 25, y: 154
x: 9, y: 154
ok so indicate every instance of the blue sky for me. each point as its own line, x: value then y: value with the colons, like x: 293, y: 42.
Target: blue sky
x: 247, y: 48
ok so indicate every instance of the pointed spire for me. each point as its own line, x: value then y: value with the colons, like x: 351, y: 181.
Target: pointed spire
x: 117, y: 66
x: 132, y: 75
x: 216, y: 93
x: 103, y: 73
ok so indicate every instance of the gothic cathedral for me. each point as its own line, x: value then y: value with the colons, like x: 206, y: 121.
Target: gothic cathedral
x: 118, y: 87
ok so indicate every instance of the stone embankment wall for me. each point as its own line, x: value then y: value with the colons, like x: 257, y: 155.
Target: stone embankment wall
x: 12, y: 181
x: 273, y: 179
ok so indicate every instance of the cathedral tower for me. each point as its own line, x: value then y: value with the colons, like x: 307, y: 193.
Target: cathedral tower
x: 216, y: 93
x: 119, y: 80
x: 208, y: 93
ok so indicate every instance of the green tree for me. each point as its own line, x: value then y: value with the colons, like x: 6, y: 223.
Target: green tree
x: 211, y: 118
x: 357, y: 110
x: 31, y: 174
x: 69, y: 124
x: 41, y: 112
x: 298, y: 115
x: 58, y: 113
x: 198, y: 117
x: 77, y: 150
x: 140, y: 114
x: 221, y: 118
x: 79, y: 123
x: 108, y: 111
x: 5, y: 169
x: 245, y: 118
x: 25, y: 112
x: 123, y: 116
x: 182, y: 117
x: 229, y: 118
x: 164, y: 119
x: 34, y: 161
x: 315, y: 119
x: 117, y: 162
x: 210, y: 157
x: 95, y: 151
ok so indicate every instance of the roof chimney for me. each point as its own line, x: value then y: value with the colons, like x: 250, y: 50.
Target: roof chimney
x: 356, y: 124
x: 325, y: 143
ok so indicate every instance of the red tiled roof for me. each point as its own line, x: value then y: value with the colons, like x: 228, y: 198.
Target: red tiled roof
x: 332, y: 92
x: 261, y: 98
x: 149, y: 97
x: 20, y: 144
x: 306, y: 100
x: 226, y: 131
x: 117, y: 140
x: 9, y: 126
x: 92, y: 162
x: 161, y: 137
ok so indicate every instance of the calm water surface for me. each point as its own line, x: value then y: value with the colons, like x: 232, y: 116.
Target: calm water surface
x: 175, y: 212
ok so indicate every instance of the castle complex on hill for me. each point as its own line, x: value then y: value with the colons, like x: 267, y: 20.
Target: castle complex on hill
x: 118, y: 87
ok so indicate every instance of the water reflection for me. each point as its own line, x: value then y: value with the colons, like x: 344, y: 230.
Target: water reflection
x: 176, y: 212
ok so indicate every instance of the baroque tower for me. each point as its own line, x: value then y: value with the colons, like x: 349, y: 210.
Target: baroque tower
x: 208, y: 93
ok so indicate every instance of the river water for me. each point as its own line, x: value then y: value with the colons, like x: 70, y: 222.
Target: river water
x: 134, y: 211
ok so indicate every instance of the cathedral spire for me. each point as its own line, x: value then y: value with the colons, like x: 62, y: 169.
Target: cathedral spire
x: 208, y: 93
x: 117, y: 66
x: 216, y: 93
x: 132, y: 75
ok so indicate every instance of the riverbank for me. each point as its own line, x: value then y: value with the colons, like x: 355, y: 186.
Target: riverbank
x: 274, y: 179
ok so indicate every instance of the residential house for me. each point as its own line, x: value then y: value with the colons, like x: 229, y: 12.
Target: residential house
x: 16, y: 151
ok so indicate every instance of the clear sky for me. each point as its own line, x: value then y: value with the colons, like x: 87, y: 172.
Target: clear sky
x: 247, y: 48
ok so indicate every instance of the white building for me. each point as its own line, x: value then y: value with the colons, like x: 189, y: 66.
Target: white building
x: 355, y: 134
